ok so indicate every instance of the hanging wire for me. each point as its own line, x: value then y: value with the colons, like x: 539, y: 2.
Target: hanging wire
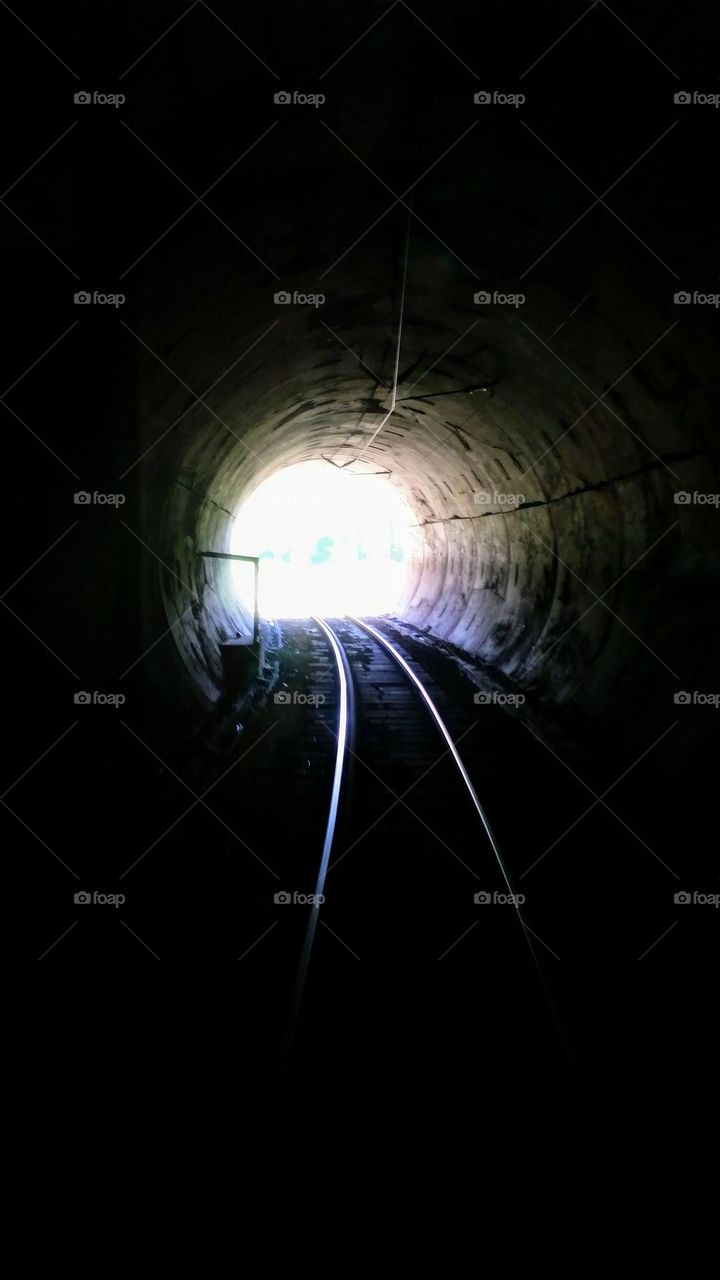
x: 393, y: 398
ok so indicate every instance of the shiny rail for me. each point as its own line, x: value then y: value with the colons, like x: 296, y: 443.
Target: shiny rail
x: 343, y: 738
x: 343, y: 730
x: 445, y: 733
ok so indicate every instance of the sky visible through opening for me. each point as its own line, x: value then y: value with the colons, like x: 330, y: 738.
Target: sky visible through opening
x: 329, y: 542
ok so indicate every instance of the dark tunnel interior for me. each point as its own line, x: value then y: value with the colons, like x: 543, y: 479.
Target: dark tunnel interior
x: 469, y: 248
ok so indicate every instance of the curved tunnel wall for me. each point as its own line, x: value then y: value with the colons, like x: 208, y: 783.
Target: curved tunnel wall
x: 490, y: 398
x: 494, y: 415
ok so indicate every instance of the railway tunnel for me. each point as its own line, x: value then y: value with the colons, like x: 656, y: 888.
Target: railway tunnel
x: 520, y: 486
x: 540, y: 441
x: 414, y: 288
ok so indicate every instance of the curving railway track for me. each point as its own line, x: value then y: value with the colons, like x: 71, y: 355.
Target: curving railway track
x: 409, y: 863
x: 412, y: 882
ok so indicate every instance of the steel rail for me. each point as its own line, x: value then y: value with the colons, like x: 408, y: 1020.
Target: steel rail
x: 445, y: 732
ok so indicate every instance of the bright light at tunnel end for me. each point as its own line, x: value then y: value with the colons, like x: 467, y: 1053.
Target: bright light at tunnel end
x: 330, y: 541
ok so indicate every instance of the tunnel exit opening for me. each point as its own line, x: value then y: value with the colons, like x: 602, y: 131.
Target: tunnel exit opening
x: 329, y: 541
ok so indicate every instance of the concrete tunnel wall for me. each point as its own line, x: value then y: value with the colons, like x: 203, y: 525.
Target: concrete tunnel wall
x: 494, y: 409
x: 503, y: 585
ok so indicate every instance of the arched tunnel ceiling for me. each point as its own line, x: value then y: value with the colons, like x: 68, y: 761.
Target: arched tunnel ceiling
x: 589, y: 402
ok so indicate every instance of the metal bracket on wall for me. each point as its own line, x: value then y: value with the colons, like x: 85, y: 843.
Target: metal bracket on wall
x: 225, y: 555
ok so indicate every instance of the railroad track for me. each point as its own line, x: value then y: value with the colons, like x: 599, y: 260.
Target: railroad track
x: 408, y: 846
x: 430, y: 987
